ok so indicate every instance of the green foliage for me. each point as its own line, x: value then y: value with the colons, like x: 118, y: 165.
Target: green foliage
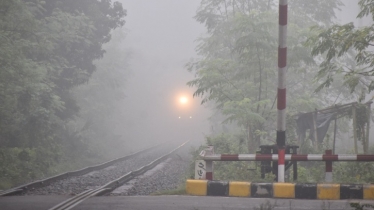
x: 362, y: 114
x: 236, y: 74
x: 47, y: 48
x: 345, y: 54
x: 352, y: 172
x: 236, y: 71
x: 28, y: 99
x: 25, y: 164
x: 311, y: 172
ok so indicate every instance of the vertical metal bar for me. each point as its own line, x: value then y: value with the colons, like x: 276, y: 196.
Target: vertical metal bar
x: 264, y: 164
x: 281, y: 95
x: 281, y: 163
x: 294, y: 165
x: 275, y: 164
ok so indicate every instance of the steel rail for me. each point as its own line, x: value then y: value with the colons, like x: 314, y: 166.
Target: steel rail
x: 72, y: 202
x: 132, y: 174
x: 112, y: 185
x: 47, y: 181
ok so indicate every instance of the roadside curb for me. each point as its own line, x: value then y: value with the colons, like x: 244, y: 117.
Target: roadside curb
x: 317, y: 191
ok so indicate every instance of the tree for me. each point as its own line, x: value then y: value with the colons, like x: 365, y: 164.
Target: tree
x: 46, y: 49
x: 28, y: 99
x: 344, y: 53
x: 237, y: 69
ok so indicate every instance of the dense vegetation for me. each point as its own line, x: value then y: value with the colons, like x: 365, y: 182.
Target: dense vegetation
x: 51, y: 55
x: 236, y: 75
x: 237, y: 72
x: 61, y: 81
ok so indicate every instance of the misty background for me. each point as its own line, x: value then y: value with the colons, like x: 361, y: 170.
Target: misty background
x: 65, y: 100
x: 161, y: 38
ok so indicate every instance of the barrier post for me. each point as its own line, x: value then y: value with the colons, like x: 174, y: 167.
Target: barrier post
x: 328, y: 171
x: 209, y: 170
x: 281, y: 94
x: 209, y: 163
x: 294, y: 164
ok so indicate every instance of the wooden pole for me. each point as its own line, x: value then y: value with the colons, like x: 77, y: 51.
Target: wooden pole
x: 333, y: 144
x: 354, y: 128
x: 315, y: 129
x: 367, y: 129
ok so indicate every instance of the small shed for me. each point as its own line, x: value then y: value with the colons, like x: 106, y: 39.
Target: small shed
x: 318, y: 122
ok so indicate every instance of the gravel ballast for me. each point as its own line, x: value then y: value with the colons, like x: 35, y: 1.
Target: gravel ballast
x: 78, y: 184
x: 169, y: 175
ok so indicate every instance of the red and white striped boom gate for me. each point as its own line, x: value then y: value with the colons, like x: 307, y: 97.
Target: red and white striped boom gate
x: 288, y: 157
x: 328, y: 158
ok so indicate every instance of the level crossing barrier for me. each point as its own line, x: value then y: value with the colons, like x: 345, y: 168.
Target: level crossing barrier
x: 208, y: 156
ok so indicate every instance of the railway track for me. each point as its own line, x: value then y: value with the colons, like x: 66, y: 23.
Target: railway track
x: 113, y: 184
x: 77, y: 182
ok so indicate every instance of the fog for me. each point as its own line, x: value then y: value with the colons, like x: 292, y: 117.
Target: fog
x: 66, y: 104
x: 161, y: 38
x: 349, y: 13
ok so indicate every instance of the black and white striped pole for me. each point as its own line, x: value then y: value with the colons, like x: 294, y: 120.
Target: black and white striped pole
x: 281, y: 95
